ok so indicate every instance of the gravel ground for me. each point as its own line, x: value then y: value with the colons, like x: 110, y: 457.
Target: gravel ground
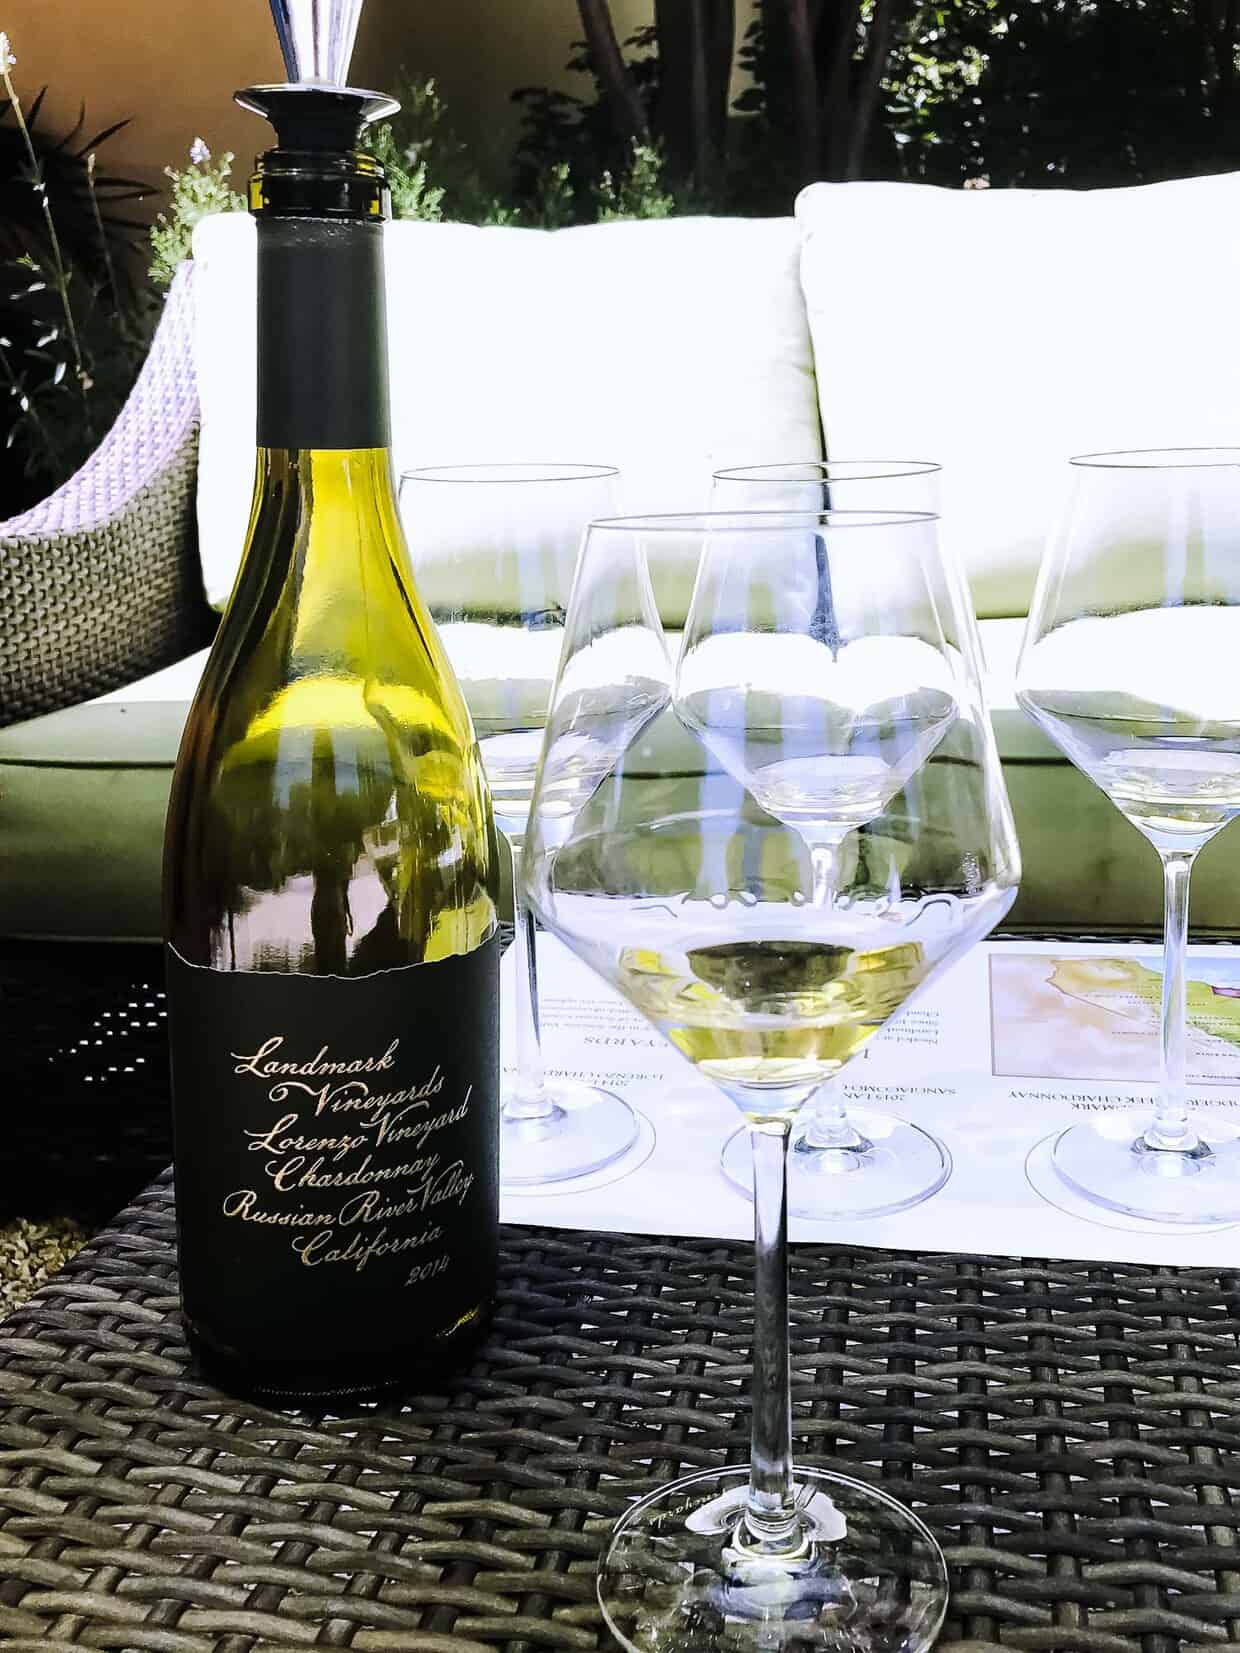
x: 30, y: 1252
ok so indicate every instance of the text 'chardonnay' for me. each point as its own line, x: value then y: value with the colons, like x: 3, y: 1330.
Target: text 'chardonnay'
x: 330, y: 862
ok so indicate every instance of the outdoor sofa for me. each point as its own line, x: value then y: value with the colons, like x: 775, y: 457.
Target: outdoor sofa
x: 996, y: 331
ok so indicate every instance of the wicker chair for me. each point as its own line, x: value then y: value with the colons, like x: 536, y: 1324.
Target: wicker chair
x: 100, y: 583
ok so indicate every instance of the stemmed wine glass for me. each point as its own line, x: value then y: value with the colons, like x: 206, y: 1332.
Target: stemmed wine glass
x: 767, y: 916
x: 1129, y: 663
x: 829, y: 484
x: 494, y: 548
x: 817, y: 485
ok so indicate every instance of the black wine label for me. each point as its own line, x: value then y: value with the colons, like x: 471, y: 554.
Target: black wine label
x: 336, y: 1147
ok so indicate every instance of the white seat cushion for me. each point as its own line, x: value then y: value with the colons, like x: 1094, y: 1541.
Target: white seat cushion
x: 1001, y: 331
x: 669, y: 348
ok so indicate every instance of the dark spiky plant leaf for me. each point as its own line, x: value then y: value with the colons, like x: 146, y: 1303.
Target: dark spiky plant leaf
x: 62, y: 169
x: 73, y: 323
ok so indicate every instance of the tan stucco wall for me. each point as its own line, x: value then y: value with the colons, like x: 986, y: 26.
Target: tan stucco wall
x: 173, y: 64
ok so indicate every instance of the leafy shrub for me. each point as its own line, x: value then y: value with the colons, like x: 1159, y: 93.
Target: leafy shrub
x: 197, y: 191
x: 638, y: 192
x: 432, y: 172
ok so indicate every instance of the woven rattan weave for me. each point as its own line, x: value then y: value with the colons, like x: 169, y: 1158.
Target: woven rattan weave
x: 99, y: 583
x: 1069, y: 1430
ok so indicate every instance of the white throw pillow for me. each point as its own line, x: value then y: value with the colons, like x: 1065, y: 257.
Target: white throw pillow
x: 1002, y: 331
x: 669, y: 348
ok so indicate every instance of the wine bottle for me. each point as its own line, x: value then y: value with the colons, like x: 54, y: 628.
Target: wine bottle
x: 330, y: 862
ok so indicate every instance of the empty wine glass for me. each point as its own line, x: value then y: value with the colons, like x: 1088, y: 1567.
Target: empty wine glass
x: 1129, y: 663
x: 829, y: 484
x: 816, y: 485
x: 768, y: 913
x: 494, y: 549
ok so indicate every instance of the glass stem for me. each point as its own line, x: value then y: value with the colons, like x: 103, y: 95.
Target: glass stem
x: 529, y: 1099
x: 826, y: 1122
x: 823, y: 858
x: 1170, y: 1129
x: 770, y: 1521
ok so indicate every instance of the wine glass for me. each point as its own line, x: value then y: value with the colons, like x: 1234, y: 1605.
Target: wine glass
x: 768, y: 913
x: 494, y: 548
x: 829, y: 484
x: 816, y: 485
x: 1128, y: 664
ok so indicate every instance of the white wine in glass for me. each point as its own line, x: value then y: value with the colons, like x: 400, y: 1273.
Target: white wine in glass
x: 821, y: 485
x: 768, y: 940
x: 1129, y: 664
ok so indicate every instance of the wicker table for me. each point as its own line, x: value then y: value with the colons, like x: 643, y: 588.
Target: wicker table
x: 1069, y: 1431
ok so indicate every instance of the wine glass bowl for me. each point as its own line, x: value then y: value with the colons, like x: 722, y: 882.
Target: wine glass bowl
x: 1127, y: 664
x: 1138, y: 701
x: 850, y: 778
x: 706, y: 908
x: 836, y: 757
x: 824, y: 684
x: 827, y: 485
x: 495, y: 548
x: 792, y: 993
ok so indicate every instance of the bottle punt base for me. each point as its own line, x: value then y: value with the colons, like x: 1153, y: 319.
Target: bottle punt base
x: 679, y: 1576
x: 321, y: 1384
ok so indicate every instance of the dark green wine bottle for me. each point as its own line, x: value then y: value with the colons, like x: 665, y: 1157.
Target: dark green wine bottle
x: 330, y: 863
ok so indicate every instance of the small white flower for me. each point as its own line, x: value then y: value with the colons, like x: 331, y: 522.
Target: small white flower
x: 198, y: 152
x: 7, y: 60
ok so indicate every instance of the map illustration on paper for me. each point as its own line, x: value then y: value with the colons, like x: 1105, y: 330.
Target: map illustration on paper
x: 1097, y: 1018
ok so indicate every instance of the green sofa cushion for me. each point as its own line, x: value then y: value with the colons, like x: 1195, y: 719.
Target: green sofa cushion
x: 83, y: 794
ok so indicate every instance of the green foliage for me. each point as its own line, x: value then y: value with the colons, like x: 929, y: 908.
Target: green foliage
x: 638, y: 192
x: 1113, y: 92
x: 196, y: 192
x: 65, y: 388
x: 1011, y: 92
x: 570, y: 165
x: 434, y: 174
x: 552, y: 203
x: 1006, y: 92
x: 413, y: 196
x: 761, y: 161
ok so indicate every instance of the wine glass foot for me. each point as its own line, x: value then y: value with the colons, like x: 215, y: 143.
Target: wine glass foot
x: 586, y: 1129
x: 680, y: 1575
x: 1108, y: 1162
x: 895, y: 1165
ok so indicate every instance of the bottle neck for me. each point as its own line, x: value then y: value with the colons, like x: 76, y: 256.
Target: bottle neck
x: 322, y: 335
x: 326, y: 520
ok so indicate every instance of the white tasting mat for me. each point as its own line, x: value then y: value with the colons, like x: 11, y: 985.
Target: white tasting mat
x: 1017, y: 1041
